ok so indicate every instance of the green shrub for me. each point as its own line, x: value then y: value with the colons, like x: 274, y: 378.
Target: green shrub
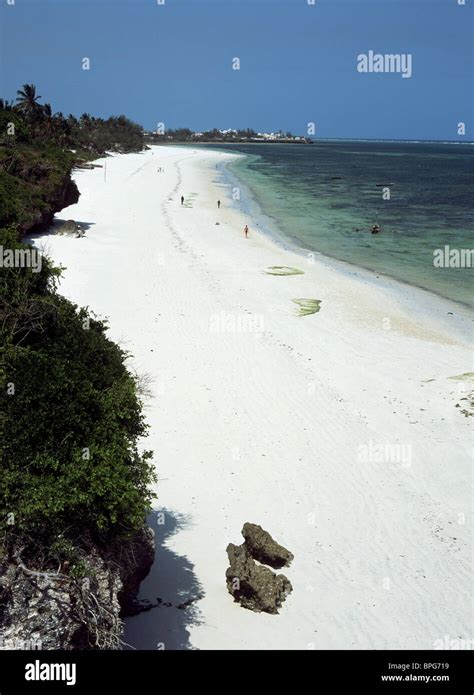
x: 71, y: 417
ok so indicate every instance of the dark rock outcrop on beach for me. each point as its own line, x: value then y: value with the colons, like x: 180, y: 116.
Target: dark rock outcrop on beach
x: 66, y: 194
x: 263, y: 548
x: 83, y: 609
x: 251, y: 584
x: 60, y: 197
x: 141, y: 555
x: 70, y: 227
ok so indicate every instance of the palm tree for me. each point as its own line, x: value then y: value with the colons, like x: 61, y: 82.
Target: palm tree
x: 28, y: 100
x: 86, y: 120
x: 49, y: 118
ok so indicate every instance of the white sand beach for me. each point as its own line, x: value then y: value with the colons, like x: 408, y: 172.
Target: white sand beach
x: 336, y: 431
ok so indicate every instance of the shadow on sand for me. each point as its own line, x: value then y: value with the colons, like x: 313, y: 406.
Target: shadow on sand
x: 171, y: 587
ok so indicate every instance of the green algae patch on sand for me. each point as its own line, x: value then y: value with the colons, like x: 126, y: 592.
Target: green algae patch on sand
x: 467, y: 376
x: 307, y: 306
x: 283, y: 270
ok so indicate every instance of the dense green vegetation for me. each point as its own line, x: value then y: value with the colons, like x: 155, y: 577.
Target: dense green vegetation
x: 70, y: 412
x: 71, y: 415
x: 35, y: 182
x: 37, y: 124
x: 38, y: 149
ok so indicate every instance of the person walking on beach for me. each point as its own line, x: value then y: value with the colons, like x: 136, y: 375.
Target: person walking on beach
x: 182, y: 200
x: 218, y: 204
x: 246, y: 231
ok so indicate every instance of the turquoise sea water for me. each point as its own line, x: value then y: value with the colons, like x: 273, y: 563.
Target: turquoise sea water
x: 430, y: 205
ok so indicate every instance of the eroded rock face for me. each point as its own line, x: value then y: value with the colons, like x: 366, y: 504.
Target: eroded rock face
x: 40, y: 610
x: 263, y: 548
x: 61, y: 197
x: 60, y: 612
x: 141, y: 555
x: 251, y: 584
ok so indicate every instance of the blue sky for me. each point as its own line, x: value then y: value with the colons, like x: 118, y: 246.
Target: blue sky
x: 172, y: 63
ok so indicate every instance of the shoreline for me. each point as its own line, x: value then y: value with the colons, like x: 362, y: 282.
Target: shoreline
x: 425, y: 301
x: 272, y: 229
x: 276, y: 426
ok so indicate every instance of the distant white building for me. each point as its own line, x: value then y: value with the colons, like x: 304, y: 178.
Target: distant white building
x: 270, y: 136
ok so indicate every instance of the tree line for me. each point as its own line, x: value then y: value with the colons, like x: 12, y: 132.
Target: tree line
x: 28, y: 121
x: 214, y: 135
